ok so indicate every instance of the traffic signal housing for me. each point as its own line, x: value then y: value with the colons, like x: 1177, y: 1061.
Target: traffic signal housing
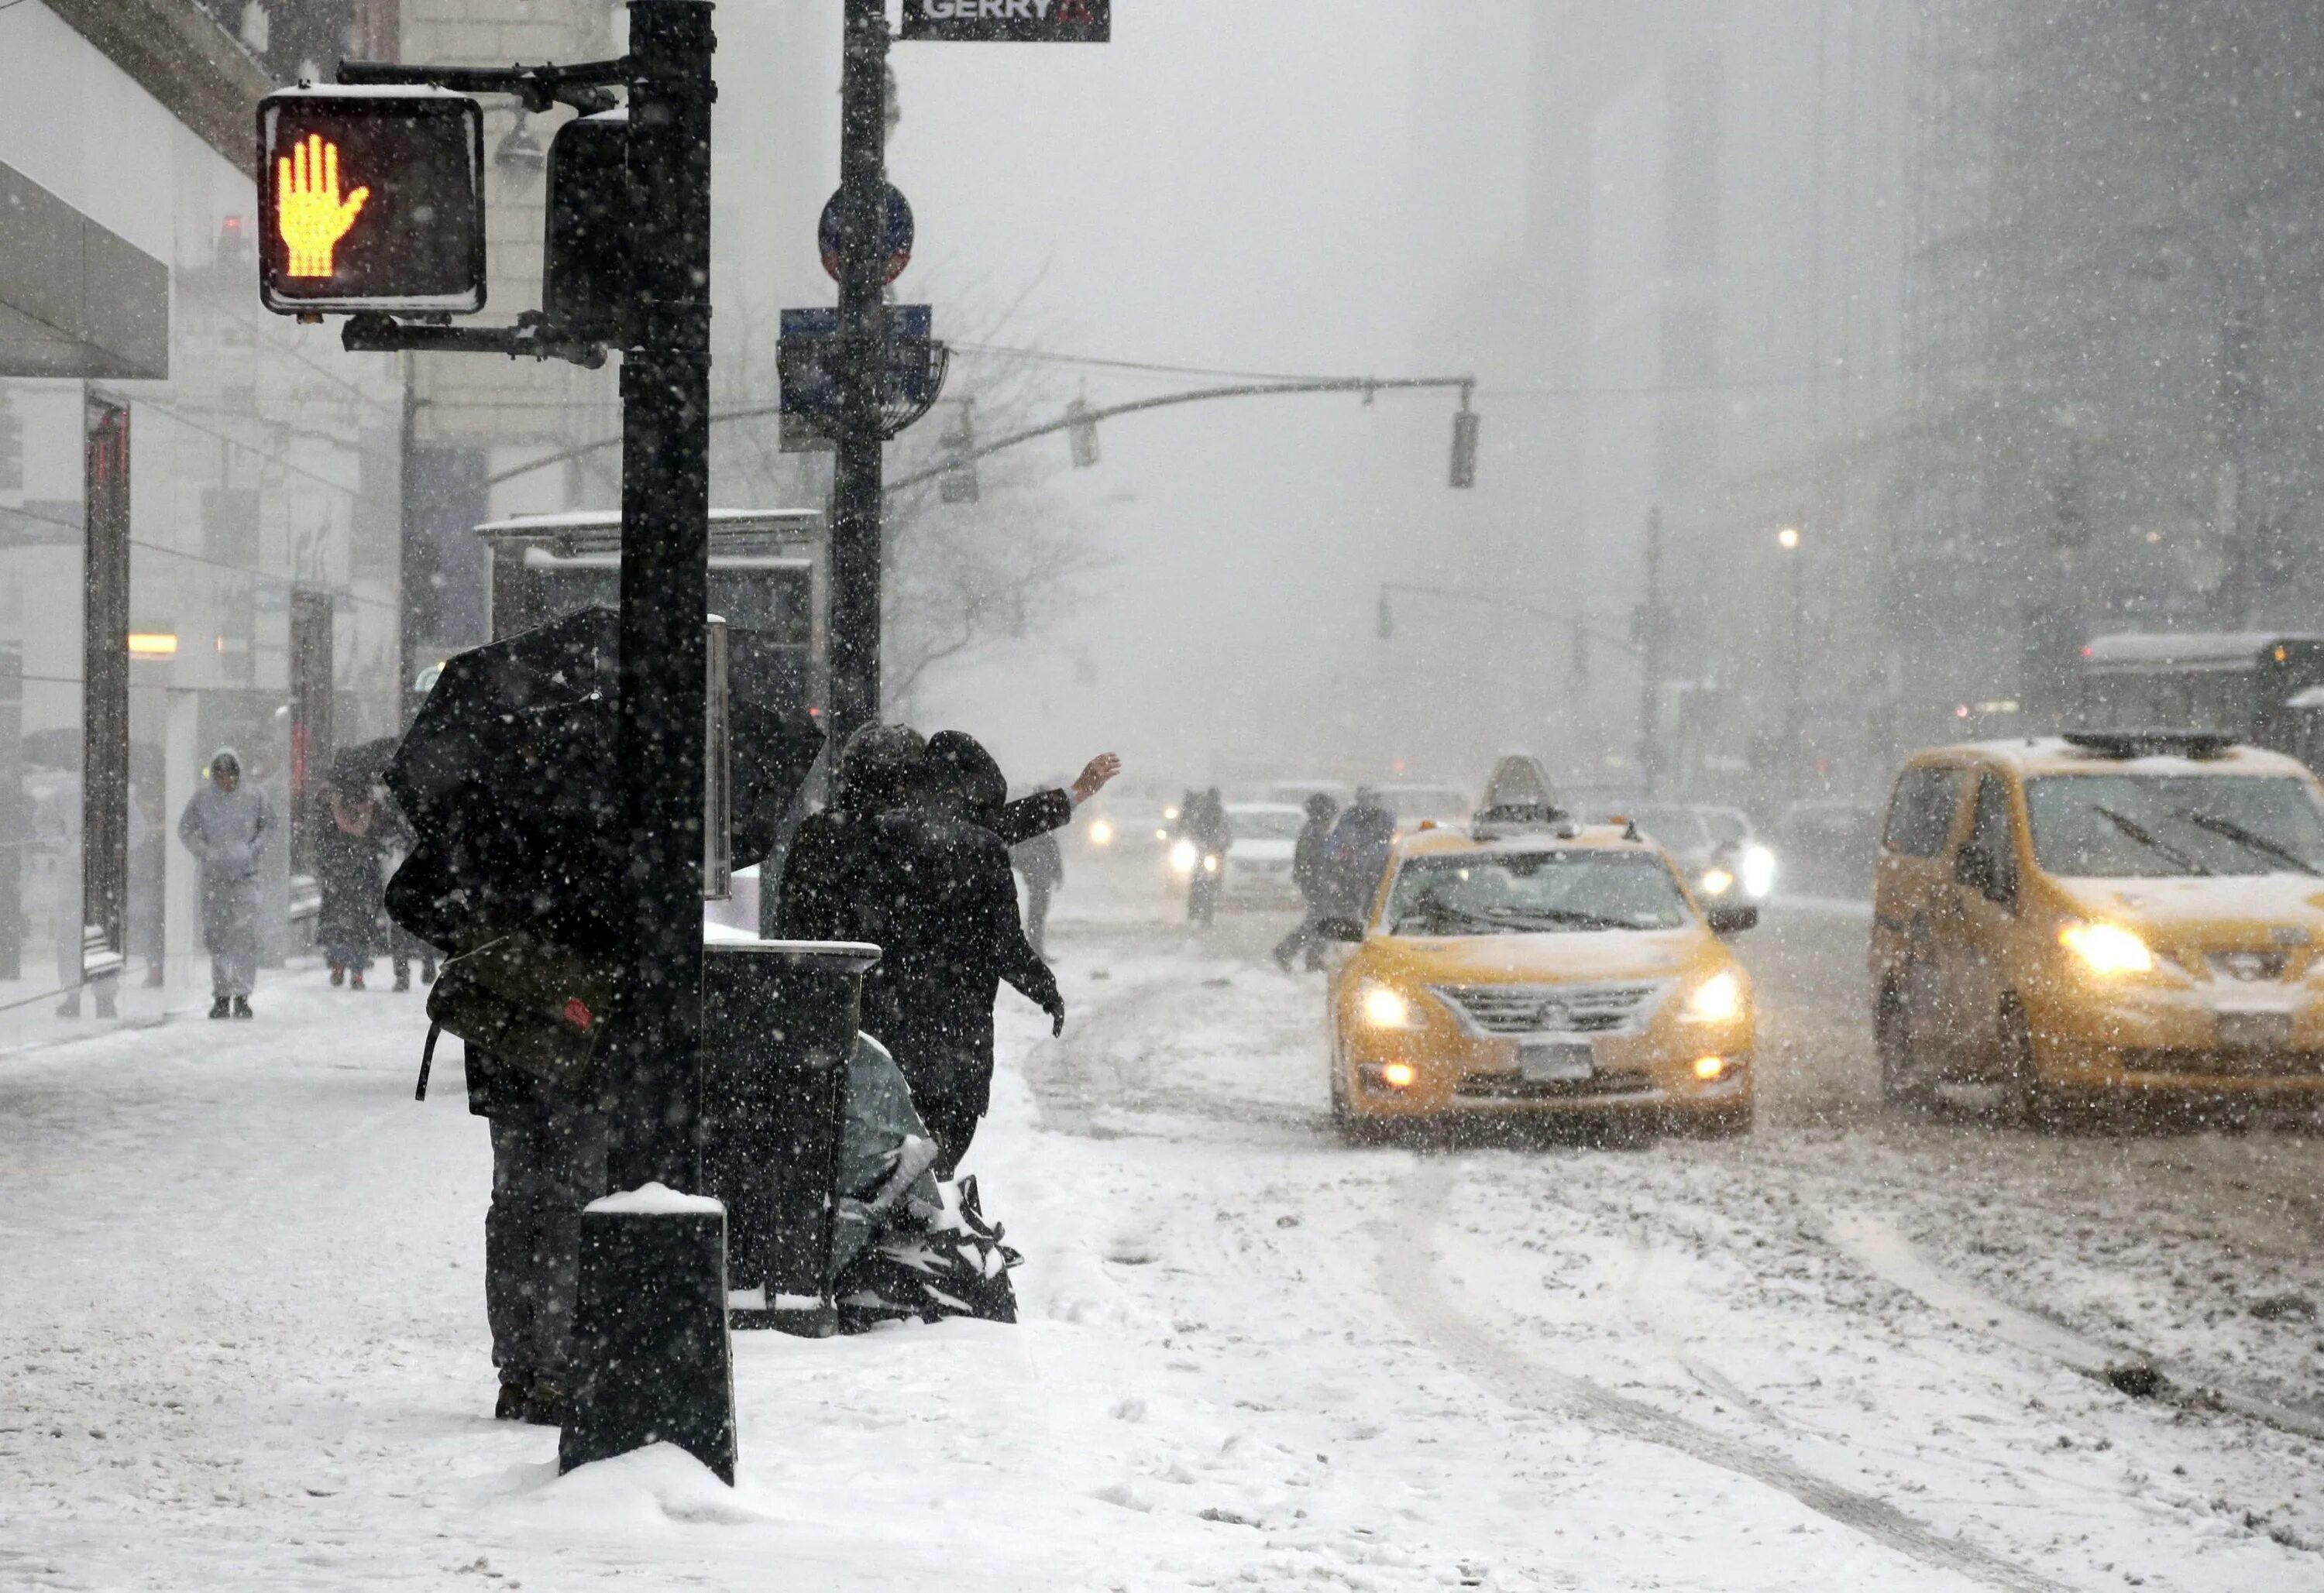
x: 371, y: 199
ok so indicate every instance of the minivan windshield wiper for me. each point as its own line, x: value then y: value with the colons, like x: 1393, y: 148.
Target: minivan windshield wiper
x: 2251, y: 840
x: 2149, y: 839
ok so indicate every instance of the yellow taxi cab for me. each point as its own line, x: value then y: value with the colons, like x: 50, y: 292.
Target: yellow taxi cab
x: 2101, y: 914
x: 1539, y: 966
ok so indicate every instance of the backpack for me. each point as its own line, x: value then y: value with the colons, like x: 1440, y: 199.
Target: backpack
x: 535, y: 1005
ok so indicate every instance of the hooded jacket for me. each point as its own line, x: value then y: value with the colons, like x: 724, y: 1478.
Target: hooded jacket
x: 982, y: 791
x: 227, y: 831
x: 935, y: 894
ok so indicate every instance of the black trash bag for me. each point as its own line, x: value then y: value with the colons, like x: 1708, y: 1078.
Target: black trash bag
x: 904, y: 1246
x: 509, y: 780
x: 956, y: 1265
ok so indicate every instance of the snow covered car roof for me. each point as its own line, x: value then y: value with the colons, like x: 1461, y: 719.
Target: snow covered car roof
x: 2039, y: 755
x: 1442, y: 839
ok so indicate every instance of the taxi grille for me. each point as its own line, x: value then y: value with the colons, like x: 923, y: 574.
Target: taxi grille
x: 1515, y: 1087
x: 1553, y: 1009
x: 2248, y: 967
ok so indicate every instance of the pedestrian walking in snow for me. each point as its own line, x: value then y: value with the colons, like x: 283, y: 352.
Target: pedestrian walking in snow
x: 1357, y: 853
x: 1042, y: 861
x: 1205, y: 822
x: 934, y: 891
x: 351, y: 848
x: 1311, y: 872
x: 228, y: 825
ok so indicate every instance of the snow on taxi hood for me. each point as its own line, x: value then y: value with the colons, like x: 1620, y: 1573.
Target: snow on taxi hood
x: 2219, y: 900
x: 1577, y: 957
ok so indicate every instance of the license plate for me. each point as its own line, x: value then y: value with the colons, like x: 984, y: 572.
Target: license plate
x: 2254, y: 1031
x: 1565, y: 1062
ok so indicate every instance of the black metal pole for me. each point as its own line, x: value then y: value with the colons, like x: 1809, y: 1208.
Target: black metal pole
x: 656, y: 1044
x: 855, y: 491
x: 1650, y: 660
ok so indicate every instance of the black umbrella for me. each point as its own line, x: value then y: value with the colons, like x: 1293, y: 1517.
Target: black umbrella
x: 508, y: 779
x: 363, y: 765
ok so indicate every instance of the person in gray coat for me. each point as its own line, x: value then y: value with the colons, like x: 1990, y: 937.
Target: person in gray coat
x: 227, y: 825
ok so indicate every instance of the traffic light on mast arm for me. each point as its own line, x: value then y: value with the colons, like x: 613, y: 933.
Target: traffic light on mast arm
x: 371, y: 199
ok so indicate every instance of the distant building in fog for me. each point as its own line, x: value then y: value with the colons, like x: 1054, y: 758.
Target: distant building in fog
x: 198, y: 500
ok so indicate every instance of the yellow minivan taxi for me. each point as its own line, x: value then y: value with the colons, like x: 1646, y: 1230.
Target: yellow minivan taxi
x: 2105, y: 914
x: 1549, y: 968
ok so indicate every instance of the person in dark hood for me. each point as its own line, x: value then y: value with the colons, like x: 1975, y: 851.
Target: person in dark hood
x: 227, y: 825
x: 934, y: 891
x: 1357, y: 853
x: 875, y: 770
x: 1026, y: 826
x: 961, y: 760
x: 1311, y: 873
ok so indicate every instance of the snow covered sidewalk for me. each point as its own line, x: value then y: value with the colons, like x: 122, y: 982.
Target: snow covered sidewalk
x: 243, y: 1322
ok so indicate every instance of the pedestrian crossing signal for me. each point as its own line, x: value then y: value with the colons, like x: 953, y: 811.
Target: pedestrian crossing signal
x: 371, y: 199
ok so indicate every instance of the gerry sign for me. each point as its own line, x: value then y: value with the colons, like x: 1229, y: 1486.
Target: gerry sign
x: 1024, y: 21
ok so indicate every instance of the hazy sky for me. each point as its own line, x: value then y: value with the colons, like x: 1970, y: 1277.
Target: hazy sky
x: 1247, y: 186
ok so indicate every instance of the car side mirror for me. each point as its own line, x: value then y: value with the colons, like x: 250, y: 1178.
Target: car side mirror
x: 1346, y: 929
x: 1733, y: 918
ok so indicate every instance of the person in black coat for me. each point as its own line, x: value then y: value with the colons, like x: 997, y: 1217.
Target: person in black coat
x: 352, y: 843
x: 876, y: 769
x: 1311, y: 872
x: 934, y: 891
x: 962, y: 761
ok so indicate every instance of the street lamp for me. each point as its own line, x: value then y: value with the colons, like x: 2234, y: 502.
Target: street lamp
x: 1788, y: 539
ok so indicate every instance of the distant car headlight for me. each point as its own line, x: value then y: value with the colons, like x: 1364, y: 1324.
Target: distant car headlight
x: 1716, y: 881
x: 1717, y: 999
x: 2107, y: 949
x: 1384, y: 1007
x: 1210, y: 862
x: 1183, y: 857
x: 1171, y: 814
x: 1100, y: 833
x: 1758, y: 870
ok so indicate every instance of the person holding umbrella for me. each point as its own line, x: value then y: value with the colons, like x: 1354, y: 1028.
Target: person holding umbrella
x: 350, y: 847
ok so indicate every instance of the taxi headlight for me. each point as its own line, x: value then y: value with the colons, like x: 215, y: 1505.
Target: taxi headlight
x: 2107, y: 949
x: 1758, y: 870
x: 1716, y: 881
x: 1384, y: 1007
x: 1100, y: 833
x: 1717, y: 999
x: 1182, y: 856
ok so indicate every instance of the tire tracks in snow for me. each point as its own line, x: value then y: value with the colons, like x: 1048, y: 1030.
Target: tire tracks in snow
x: 1405, y: 1275
x: 1876, y: 1245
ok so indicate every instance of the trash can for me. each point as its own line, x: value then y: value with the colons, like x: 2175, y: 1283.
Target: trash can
x: 779, y: 1021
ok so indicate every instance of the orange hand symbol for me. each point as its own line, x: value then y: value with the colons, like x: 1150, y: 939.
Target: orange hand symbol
x: 309, y: 211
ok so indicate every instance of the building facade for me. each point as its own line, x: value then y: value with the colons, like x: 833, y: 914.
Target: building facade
x: 198, y: 508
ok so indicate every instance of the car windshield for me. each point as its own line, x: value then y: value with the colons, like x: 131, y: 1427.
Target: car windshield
x: 1249, y: 824
x: 1534, y: 893
x: 1727, y: 826
x: 1681, y: 828
x: 2126, y: 825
